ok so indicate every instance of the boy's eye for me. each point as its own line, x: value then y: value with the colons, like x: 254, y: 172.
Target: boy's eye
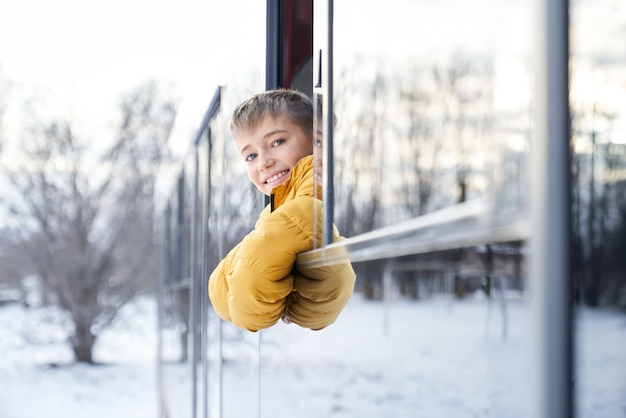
x: 317, y: 142
x: 278, y: 142
x: 250, y: 157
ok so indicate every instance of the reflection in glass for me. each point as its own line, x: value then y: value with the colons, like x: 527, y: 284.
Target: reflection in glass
x: 432, y: 110
x: 598, y: 132
x: 418, y: 131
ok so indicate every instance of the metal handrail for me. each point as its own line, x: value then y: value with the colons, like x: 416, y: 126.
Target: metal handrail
x: 465, y: 224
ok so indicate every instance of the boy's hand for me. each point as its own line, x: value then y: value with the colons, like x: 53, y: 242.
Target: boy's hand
x: 286, y: 319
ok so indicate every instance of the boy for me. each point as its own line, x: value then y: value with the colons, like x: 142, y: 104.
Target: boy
x: 256, y: 284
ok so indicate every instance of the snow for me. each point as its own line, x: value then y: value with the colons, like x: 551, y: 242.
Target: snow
x: 431, y: 358
x: 39, y: 379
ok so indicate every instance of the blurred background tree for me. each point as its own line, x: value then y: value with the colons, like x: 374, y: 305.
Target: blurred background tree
x: 81, y: 211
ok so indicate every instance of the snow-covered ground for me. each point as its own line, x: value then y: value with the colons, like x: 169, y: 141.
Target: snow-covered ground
x: 38, y: 379
x: 431, y: 358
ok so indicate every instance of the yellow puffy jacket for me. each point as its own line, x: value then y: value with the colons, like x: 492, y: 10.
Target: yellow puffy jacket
x: 257, y: 282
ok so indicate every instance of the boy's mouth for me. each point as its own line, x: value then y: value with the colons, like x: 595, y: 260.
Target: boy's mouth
x: 276, y: 176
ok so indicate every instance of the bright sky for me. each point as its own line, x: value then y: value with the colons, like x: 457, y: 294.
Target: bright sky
x: 47, y: 40
x: 83, y: 55
x: 80, y: 56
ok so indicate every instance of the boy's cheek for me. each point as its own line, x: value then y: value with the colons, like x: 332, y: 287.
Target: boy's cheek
x: 254, y: 179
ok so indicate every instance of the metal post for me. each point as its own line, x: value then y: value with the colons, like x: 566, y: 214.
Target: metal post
x: 387, y: 277
x: 328, y: 112
x: 204, y: 319
x: 273, y: 48
x: 164, y: 277
x: 550, y: 206
x: 194, y: 287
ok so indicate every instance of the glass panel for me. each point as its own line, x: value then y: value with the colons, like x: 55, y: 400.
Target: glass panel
x: 432, y: 102
x: 196, y: 167
x: 176, y: 382
x: 233, y: 58
x: 233, y: 354
x: 203, y: 269
x: 433, y: 108
x: 598, y: 105
x: 232, y: 206
x: 402, y: 357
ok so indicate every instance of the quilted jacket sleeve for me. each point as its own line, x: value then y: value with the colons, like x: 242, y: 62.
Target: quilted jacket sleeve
x: 250, y: 285
x: 321, y: 293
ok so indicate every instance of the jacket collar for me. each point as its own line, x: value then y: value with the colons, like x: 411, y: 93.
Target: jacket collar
x: 299, y: 183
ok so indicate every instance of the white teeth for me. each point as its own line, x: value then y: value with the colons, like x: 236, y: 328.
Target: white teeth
x: 275, y: 177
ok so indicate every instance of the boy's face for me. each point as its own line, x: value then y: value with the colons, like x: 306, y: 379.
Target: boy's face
x: 271, y: 150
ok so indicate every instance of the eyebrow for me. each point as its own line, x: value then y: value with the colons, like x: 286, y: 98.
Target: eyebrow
x: 274, y: 132
x: 267, y: 135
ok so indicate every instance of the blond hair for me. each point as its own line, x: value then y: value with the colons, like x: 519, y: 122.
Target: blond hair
x: 280, y: 102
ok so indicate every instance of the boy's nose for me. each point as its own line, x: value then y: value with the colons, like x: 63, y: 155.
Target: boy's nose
x: 266, y: 162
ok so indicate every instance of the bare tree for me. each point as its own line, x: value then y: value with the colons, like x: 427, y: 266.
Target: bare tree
x: 460, y: 86
x: 422, y: 145
x: 360, y: 164
x: 87, y: 219
x: 4, y: 92
x: 616, y: 288
x: 361, y: 161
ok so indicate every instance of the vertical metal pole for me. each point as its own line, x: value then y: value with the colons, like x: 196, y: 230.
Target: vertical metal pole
x: 180, y: 230
x: 163, y: 279
x: 206, y: 205
x: 550, y: 206
x: 221, y: 228
x: 259, y: 370
x: 328, y: 112
x: 387, y: 275
x: 273, y: 46
x: 194, y: 288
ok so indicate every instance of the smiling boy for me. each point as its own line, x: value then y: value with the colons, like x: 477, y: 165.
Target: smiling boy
x: 257, y: 283
x: 271, y: 150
